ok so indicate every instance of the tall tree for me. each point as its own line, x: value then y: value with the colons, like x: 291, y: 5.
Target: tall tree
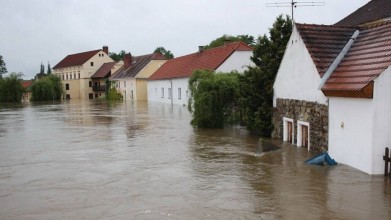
x: 3, y: 68
x: 164, y: 52
x: 42, y: 71
x: 49, y: 71
x: 11, y: 89
x: 257, y: 82
x: 220, y: 41
x: 117, y: 56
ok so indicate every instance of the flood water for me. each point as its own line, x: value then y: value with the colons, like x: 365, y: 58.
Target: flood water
x: 91, y: 160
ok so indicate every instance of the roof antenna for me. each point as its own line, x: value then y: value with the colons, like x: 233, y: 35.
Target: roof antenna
x: 294, y: 4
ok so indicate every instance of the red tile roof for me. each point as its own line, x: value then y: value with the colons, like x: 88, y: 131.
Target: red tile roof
x: 76, y: 59
x: 209, y: 59
x: 324, y: 42
x: 137, y: 64
x: 368, y: 57
x: 372, y: 11
x: 26, y: 83
x: 103, y: 71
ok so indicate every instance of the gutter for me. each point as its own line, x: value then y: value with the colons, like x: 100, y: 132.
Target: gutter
x: 338, y: 60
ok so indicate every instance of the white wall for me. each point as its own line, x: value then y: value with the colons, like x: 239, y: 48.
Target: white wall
x: 155, y: 88
x: 238, y: 61
x: 350, y: 132
x: 381, y: 120
x: 297, y: 76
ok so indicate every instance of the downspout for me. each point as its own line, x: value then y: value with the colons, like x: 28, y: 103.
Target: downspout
x: 172, y: 97
x: 338, y: 60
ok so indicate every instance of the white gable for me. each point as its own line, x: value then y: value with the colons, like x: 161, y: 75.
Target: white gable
x: 297, y: 76
x: 238, y: 61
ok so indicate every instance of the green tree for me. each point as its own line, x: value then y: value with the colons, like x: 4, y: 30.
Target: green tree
x: 42, y: 71
x: 47, y: 88
x: 117, y: 56
x: 164, y: 52
x: 257, y: 82
x: 213, y: 98
x: 11, y: 89
x: 3, y: 68
x: 111, y: 93
x: 49, y: 71
x: 249, y: 40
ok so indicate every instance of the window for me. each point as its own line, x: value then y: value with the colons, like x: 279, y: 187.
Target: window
x: 162, y: 92
x: 131, y: 94
x: 74, y: 75
x: 62, y: 76
x: 70, y: 75
x: 89, y: 83
x: 92, y: 63
x: 67, y: 86
x: 169, y: 93
x: 79, y: 75
x: 67, y: 76
x: 179, y: 93
x: 124, y: 84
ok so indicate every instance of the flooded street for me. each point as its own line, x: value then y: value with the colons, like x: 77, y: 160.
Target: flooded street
x: 91, y: 160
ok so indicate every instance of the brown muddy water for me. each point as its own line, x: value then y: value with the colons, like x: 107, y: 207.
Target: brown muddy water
x: 90, y: 160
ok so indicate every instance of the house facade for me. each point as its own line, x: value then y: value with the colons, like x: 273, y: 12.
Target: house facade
x: 75, y: 71
x: 334, y: 83
x: 131, y: 80
x: 169, y: 84
x: 101, y: 75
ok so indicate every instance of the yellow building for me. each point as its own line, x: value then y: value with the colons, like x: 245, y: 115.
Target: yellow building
x: 75, y: 71
x: 131, y: 80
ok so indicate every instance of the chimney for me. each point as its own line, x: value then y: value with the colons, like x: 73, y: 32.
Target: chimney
x: 200, y: 48
x: 127, y: 60
x: 105, y: 49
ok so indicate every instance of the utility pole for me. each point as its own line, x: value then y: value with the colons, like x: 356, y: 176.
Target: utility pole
x: 294, y: 4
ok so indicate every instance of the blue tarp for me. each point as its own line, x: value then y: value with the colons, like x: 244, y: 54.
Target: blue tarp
x: 322, y: 159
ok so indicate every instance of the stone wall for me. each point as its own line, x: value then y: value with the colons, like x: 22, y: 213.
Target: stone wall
x: 314, y: 113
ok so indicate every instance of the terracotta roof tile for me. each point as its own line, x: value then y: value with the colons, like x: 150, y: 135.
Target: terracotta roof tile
x: 324, y: 42
x: 76, y: 59
x: 209, y: 59
x: 372, y: 11
x: 368, y: 57
x: 103, y: 71
x: 137, y: 64
x: 26, y: 83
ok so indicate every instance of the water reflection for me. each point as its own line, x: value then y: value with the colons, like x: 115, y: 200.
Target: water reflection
x: 139, y: 160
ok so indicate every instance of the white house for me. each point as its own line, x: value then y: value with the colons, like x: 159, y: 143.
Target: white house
x: 333, y: 88
x: 169, y: 84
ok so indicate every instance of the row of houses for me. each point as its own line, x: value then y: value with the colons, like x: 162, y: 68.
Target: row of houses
x: 332, y: 90
x: 147, y: 77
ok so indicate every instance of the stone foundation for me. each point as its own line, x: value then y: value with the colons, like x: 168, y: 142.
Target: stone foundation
x: 314, y: 113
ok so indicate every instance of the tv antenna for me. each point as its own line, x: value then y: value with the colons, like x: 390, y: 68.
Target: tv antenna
x: 294, y: 4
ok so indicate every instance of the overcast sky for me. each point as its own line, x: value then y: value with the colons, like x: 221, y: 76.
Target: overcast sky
x: 35, y: 31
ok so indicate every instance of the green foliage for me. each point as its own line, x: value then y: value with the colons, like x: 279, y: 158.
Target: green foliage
x: 249, y: 40
x: 111, y: 92
x: 11, y: 89
x: 42, y: 71
x: 3, y: 68
x: 49, y: 69
x: 257, y: 82
x: 47, y: 88
x: 117, y: 56
x: 213, y: 98
x: 164, y: 52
